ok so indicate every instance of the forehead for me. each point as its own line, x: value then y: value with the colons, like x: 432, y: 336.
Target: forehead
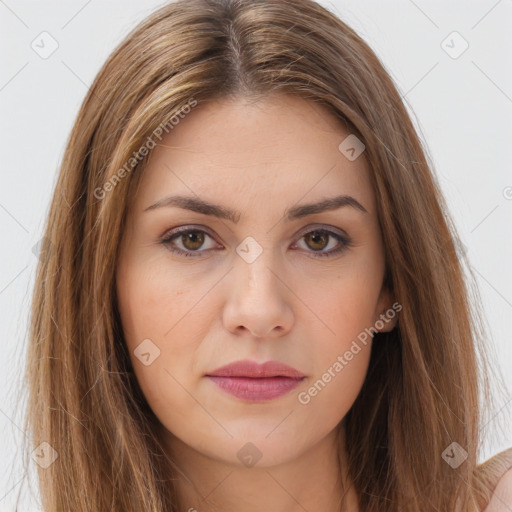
x: 270, y: 153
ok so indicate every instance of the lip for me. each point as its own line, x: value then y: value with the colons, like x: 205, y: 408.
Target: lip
x: 248, y: 368
x: 252, y: 381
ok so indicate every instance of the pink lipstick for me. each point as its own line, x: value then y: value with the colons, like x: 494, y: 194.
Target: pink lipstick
x: 255, y: 382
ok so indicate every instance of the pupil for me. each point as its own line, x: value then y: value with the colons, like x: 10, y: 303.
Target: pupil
x: 317, y: 236
x: 195, y: 238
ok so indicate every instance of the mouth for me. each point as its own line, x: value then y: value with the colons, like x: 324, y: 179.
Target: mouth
x: 251, y: 381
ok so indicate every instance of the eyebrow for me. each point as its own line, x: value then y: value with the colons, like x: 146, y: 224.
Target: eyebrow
x: 296, y: 212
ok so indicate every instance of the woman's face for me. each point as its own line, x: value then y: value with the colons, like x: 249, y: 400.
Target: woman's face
x: 273, y: 281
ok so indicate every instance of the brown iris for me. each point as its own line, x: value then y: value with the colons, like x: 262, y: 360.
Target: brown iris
x: 193, y: 240
x: 317, y: 237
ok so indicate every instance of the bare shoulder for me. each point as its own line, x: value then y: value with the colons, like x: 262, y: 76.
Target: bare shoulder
x: 501, y: 500
x: 496, y: 473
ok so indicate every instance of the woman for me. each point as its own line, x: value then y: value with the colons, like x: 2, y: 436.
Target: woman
x: 250, y: 296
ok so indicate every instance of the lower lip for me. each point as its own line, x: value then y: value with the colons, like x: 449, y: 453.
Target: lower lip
x: 256, y: 389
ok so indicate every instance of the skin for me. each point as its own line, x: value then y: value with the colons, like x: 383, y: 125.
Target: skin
x: 288, y: 305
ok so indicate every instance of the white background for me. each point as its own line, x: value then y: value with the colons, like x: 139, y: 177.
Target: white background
x: 462, y: 108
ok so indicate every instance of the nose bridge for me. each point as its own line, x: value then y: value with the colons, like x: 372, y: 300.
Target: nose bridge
x: 258, y: 300
x: 256, y: 267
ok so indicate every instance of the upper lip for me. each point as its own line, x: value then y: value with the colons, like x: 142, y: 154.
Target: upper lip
x: 248, y: 368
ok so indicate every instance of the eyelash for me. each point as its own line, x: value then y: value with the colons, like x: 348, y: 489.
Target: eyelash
x: 169, y: 237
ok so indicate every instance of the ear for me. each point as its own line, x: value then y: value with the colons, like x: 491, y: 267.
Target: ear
x: 386, y: 312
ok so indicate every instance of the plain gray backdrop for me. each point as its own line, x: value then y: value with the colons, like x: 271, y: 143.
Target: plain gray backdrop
x: 450, y: 60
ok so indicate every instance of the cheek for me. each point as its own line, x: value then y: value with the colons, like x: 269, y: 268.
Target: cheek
x: 144, y: 303
x: 327, y: 398
x: 342, y: 351
x: 345, y: 306
x: 159, y: 312
x: 341, y: 357
x: 153, y: 302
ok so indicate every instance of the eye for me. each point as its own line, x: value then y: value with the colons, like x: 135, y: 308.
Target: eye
x: 190, y: 240
x: 186, y: 241
x: 318, y: 240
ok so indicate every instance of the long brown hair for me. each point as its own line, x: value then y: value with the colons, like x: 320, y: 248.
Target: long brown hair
x: 422, y: 391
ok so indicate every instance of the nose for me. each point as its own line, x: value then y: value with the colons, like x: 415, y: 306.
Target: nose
x: 258, y: 299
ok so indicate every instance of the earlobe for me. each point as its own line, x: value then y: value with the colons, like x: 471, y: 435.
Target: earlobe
x: 386, y: 313
x: 388, y: 320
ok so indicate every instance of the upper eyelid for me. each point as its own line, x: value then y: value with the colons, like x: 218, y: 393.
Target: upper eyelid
x: 194, y: 227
